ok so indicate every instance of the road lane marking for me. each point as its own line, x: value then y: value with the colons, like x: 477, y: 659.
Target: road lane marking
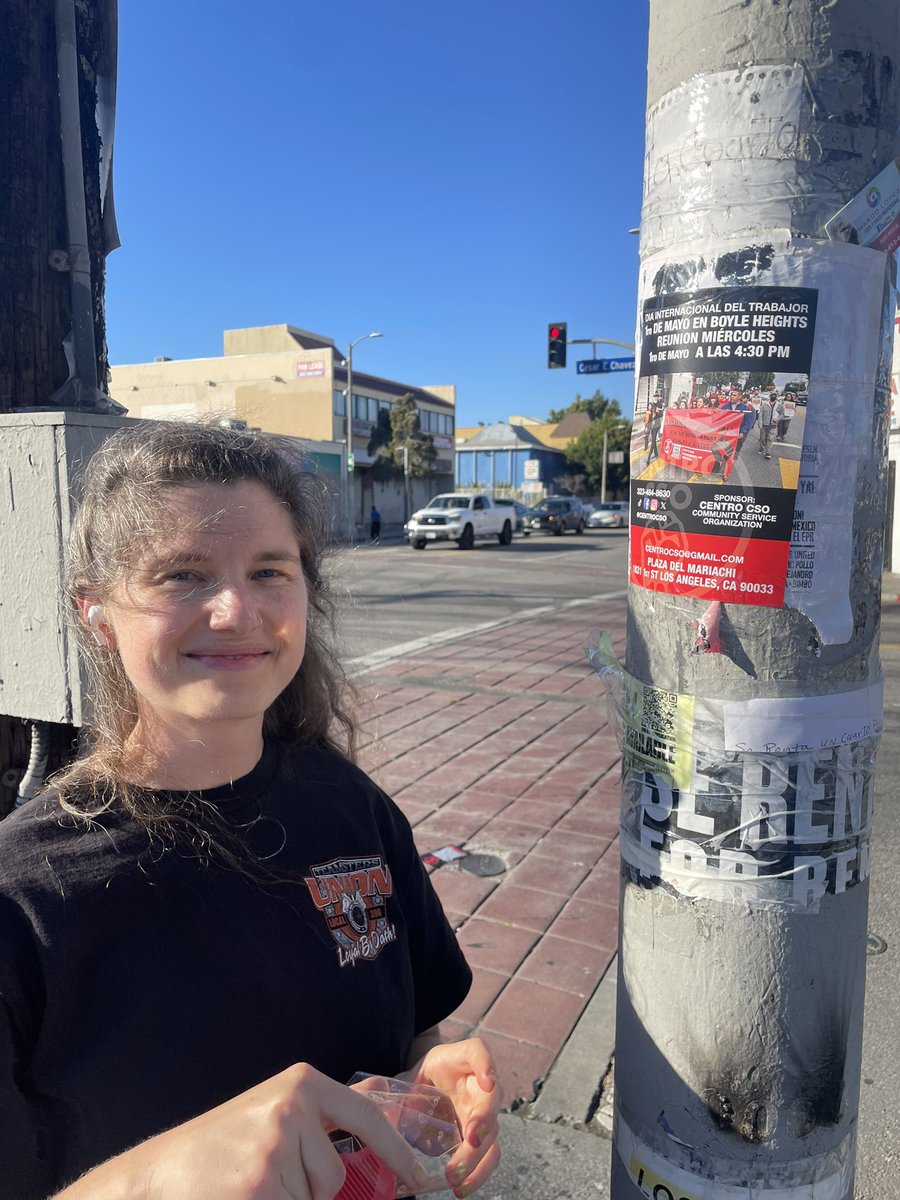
x: 653, y: 470
x: 790, y: 472
x: 378, y: 658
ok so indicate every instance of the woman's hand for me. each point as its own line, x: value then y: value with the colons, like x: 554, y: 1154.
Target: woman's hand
x: 464, y: 1072
x: 269, y: 1143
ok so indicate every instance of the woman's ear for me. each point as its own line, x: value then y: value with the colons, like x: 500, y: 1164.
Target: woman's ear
x: 94, y: 617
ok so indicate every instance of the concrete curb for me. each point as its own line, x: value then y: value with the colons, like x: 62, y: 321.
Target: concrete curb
x: 573, y: 1091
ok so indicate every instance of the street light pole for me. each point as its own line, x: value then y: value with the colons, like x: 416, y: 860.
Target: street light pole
x: 348, y: 481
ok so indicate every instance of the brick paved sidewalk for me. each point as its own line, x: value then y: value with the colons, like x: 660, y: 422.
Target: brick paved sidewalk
x: 500, y: 742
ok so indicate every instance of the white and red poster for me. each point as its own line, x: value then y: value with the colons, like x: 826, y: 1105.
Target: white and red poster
x: 718, y: 440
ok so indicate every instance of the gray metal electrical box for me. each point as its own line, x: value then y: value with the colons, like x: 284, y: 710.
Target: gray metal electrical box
x: 41, y: 458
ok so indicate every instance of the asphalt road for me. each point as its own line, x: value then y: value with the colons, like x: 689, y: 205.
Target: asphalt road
x: 393, y: 596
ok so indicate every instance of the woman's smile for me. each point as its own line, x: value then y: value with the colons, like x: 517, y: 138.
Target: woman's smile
x: 229, y: 659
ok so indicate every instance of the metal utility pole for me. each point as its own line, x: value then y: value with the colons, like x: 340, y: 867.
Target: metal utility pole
x: 57, y: 91
x: 752, y: 684
x: 57, y: 87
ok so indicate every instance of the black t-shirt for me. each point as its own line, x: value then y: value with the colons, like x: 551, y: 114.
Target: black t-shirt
x: 140, y: 986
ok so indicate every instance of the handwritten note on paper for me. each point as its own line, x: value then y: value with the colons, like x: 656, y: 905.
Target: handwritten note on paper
x: 801, y: 723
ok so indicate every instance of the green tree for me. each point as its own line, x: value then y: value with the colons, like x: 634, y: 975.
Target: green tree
x: 585, y: 454
x: 382, y: 463
x: 714, y: 379
x: 597, y: 407
x: 398, y: 430
x: 761, y: 379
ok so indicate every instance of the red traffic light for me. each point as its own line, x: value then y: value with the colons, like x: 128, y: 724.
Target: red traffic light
x: 556, y: 344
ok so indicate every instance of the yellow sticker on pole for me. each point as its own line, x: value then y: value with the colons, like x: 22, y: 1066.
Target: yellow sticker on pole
x: 654, y: 1186
x: 659, y: 730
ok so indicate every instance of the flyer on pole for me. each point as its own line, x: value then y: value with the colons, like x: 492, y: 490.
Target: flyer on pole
x: 717, y: 443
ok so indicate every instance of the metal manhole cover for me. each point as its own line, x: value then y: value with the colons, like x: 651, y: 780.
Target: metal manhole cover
x: 483, y: 864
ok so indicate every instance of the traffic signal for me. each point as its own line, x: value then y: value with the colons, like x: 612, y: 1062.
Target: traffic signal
x: 556, y: 344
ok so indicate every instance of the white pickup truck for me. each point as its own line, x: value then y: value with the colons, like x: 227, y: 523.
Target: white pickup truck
x: 456, y: 517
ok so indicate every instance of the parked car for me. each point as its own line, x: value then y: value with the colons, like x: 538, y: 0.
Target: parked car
x: 520, y: 510
x: 611, y: 514
x: 461, y: 518
x: 555, y: 515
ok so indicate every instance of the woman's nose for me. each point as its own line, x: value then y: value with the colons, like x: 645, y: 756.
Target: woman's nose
x: 233, y: 607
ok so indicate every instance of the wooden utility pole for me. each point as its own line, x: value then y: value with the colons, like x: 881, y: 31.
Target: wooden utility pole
x: 752, y: 683
x: 57, y: 94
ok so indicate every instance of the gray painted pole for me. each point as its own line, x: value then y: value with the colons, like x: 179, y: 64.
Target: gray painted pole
x: 751, y: 683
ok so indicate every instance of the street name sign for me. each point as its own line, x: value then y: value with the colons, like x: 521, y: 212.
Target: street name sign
x: 599, y: 366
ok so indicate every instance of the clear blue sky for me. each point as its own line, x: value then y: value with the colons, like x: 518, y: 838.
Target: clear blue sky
x: 452, y: 173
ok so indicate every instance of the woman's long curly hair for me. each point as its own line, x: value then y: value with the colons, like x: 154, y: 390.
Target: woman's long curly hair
x: 123, y: 509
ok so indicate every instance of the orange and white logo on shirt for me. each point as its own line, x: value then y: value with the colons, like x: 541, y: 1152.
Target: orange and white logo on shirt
x: 351, y: 893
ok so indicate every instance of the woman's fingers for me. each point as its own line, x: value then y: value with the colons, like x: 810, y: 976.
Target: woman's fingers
x: 294, y: 1180
x: 471, y: 1180
x: 467, y: 1156
x: 320, y: 1172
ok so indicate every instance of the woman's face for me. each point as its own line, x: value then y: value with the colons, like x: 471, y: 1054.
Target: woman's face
x: 210, y: 623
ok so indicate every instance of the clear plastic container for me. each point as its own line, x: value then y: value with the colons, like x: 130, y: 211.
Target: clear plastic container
x: 425, y: 1118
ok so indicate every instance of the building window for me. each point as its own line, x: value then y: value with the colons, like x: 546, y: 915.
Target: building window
x: 339, y: 403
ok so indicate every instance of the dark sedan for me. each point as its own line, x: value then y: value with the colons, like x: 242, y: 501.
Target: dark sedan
x: 555, y: 516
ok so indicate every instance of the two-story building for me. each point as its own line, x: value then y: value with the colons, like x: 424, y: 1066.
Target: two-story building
x: 293, y: 382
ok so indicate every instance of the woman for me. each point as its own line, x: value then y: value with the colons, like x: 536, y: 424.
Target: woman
x: 213, y: 918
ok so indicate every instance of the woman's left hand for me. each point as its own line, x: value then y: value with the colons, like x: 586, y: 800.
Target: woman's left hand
x: 464, y: 1072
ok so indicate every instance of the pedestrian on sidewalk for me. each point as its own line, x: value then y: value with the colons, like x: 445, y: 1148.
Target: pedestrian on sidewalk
x: 214, y: 895
x: 748, y: 419
x: 768, y: 423
x: 787, y: 406
x: 656, y: 420
x: 374, y: 524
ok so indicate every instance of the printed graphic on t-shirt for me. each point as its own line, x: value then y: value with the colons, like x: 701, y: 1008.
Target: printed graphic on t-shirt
x: 351, y: 894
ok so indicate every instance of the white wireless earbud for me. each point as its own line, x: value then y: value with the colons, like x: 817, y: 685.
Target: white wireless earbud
x: 94, y: 617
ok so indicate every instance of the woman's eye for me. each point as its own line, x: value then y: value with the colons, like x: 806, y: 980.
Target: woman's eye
x: 182, y: 577
x: 269, y: 573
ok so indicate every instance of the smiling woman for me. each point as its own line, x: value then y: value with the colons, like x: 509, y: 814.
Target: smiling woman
x: 213, y: 893
x: 174, y: 540
x: 210, y: 628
